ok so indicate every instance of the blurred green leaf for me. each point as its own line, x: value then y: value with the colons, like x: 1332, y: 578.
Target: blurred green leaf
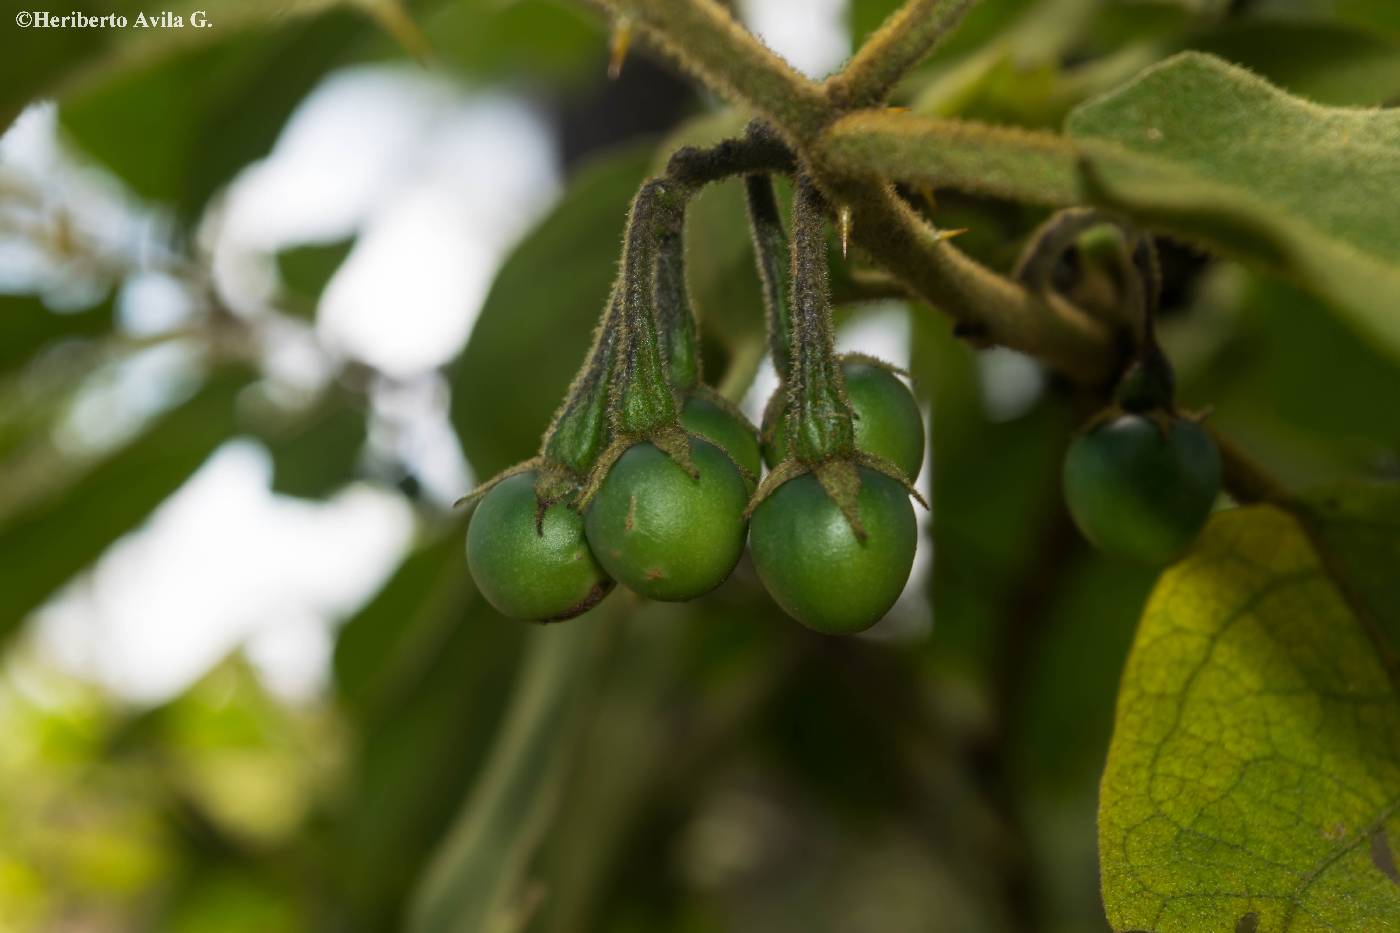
x: 27, y: 325
x: 1251, y: 782
x: 177, y: 126
x: 1069, y: 651
x: 229, y: 899
x: 1199, y: 149
x: 383, y: 649
x: 865, y: 16
x: 320, y: 456
x: 1357, y: 528
x: 1323, y: 62
x: 994, y: 497
x: 50, y: 540
x: 538, y: 319
x: 306, y: 270
x: 1273, y: 347
x: 1378, y: 16
x: 56, y: 60
x: 524, y: 41
x: 478, y: 878
x: 424, y: 671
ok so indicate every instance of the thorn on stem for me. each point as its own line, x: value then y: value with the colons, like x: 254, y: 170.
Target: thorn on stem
x: 949, y: 234
x: 843, y: 224
x: 620, y: 42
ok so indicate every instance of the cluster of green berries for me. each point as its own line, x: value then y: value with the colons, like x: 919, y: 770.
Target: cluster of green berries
x: 672, y: 534
x: 650, y: 479
x: 662, y: 494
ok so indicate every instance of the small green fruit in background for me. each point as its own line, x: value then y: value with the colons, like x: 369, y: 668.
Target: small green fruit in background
x: 1139, y: 491
x: 814, y: 566
x: 733, y: 434
x: 888, y: 422
x: 663, y: 533
x: 545, y: 573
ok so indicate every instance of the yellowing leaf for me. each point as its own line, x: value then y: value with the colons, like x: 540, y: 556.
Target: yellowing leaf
x: 1253, y: 781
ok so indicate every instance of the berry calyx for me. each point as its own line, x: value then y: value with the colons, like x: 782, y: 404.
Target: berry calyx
x: 726, y: 429
x: 888, y: 423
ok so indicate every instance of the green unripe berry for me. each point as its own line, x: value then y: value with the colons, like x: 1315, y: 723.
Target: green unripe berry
x: 731, y: 433
x: 816, y: 568
x: 545, y: 573
x: 888, y: 422
x: 1139, y: 493
x: 663, y: 533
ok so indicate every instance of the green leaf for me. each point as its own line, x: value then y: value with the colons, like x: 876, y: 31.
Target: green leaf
x: 27, y: 325
x: 1357, y: 526
x: 546, y: 40
x: 1200, y: 149
x: 478, y: 879
x: 1253, y: 781
x: 306, y: 270
x: 48, y: 541
x: 1322, y: 61
x: 1379, y: 16
x: 177, y: 125
x: 994, y: 496
x: 317, y: 454
x: 385, y: 647
x: 54, y: 61
x: 538, y: 319
x: 1276, y: 346
x: 424, y: 671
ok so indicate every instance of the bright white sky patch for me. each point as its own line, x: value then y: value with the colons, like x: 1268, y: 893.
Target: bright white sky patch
x: 810, y: 34
x: 438, y: 184
x: 221, y: 562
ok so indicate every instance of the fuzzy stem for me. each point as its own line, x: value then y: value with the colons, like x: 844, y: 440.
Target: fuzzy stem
x: 673, y: 310
x: 771, y: 253
x: 580, y: 428
x: 901, y: 42
x: 820, y: 423
x: 704, y: 38
x: 848, y: 158
x: 758, y: 150
x: 984, y: 305
x: 642, y: 396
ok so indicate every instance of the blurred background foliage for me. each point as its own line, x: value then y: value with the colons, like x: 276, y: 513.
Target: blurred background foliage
x: 703, y: 767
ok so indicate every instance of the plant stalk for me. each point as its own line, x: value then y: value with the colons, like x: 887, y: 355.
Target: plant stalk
x: 902, y: 41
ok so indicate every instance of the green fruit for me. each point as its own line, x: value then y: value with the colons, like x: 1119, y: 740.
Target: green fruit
x: 545, y: 573
x: 814, y: 565
x: 662, y: 533
x: 1139, y: 494
x: 731, y: 433
x: 888, y: 421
